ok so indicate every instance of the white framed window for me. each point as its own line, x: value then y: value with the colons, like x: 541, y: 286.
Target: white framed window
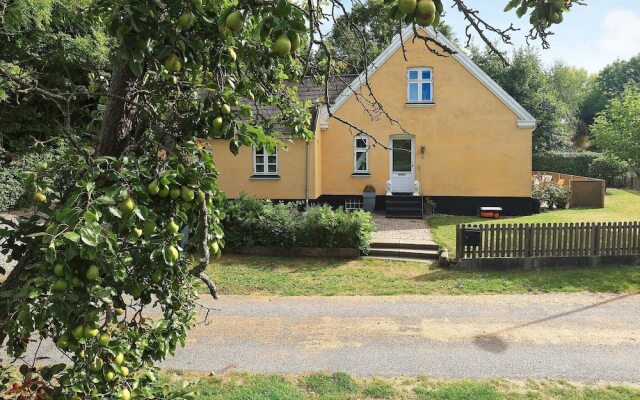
x: 420, y: 85
x: 263, y: 162
x: 361, y: 154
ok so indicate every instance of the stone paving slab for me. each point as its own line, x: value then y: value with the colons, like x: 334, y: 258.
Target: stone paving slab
x: 394, y: 230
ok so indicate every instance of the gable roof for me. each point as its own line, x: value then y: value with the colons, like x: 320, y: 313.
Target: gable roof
x: 525, y: 119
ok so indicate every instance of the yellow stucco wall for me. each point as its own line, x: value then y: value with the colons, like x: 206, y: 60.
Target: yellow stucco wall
x: 473, y: 146
x: 236, y: 171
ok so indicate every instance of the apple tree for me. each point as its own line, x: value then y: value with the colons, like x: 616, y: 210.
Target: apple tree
x: 107, y: 266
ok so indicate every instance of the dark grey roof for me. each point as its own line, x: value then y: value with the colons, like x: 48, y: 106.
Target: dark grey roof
x: 309, y: 90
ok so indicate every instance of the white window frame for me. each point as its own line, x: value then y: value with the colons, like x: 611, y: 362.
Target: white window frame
x: 419, y: 81
x: 266, y: 162
x: 357, y: 150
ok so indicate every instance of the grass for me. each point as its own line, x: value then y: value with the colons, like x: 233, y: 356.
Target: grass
x: 620, y: 205
x: 243, y: 275
x: 340, y: 386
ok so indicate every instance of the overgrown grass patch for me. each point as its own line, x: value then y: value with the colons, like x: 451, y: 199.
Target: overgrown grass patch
x: 340, y: 386
x: 278, y: 276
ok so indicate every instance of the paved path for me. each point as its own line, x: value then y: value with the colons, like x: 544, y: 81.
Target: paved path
x: 395, y: 230
x: 582, y: 337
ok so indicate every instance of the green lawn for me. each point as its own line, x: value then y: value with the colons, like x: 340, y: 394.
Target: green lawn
x: 620, y: 205
x: 243, y: 275
x: 340, y: 386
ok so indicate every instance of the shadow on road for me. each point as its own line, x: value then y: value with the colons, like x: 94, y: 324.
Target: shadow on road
x: 493, y: 343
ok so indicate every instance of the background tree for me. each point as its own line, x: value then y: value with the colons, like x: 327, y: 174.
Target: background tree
x: 136, y: 220
x: 617, y: 130
x: 610, y: 84
x: 374, y: 26
x: 527, y: 82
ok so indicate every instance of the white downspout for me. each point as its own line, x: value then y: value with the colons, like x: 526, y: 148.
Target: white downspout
x: 306, y: 182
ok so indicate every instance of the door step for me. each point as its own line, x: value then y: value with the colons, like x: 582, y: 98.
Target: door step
x: 404, y: 206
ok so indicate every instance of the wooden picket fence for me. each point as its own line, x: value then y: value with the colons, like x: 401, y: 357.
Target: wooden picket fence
x: 551, y: 240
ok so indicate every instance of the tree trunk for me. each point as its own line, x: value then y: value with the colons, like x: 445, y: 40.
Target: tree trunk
x: 118, y: 115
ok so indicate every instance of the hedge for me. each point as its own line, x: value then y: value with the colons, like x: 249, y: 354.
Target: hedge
x: 565, y: 162
x: 250, y: 221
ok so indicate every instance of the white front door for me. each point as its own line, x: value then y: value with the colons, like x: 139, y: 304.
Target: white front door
x: 403, y: 170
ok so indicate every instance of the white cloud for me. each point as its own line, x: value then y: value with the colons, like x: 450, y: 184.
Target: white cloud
x: 620, y: 36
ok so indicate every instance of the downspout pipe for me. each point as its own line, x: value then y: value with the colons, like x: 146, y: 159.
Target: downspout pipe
x: 307, y: 173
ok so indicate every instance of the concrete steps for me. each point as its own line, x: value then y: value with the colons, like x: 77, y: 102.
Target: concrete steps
x: 405, y: 251
x: 404, y: 206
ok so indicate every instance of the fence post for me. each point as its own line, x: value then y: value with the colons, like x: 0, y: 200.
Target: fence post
x: 595, y: 240
x: 459, y: 244
x: 528, y: 240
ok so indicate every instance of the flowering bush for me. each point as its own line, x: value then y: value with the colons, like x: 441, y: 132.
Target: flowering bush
x: 550, y: 192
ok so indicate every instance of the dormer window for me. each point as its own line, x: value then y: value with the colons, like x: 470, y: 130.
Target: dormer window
x: 420, y: 85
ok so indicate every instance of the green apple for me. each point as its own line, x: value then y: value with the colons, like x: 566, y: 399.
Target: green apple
x: 60, y: 286
x: 153, y: 188
x: 225, y: 109
x: 59, y: 270
x: 119, y: 358
x: 108, y: 376
x: 93, y: 273
x: 171, y: 253
x: 156, y: 277
x: 407, y: 6
x: 217, y: 123
x: 163, y: 192
x: 282, y: 45
x: 125, y: 394
x: 127, y: 206
x: 137, y: 232
x: 78, y: 331
x: 174, y: 193
x: 186, y: 20
x: 172, y: 227
x: 39, y: 197
x: 104, y: 339
x: 90, y: 332
x: 148, y: 227
x: 234, y: 21
x: 232, y: 54
x: 187, y: 194
x: 172, y: 63
x: 124, y: 370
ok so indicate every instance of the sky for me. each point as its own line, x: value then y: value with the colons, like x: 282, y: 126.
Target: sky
x: 590, y: 37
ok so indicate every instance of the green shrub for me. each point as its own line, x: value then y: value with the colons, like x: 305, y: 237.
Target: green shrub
x: 250, y: 221
x: 566, y: 162
x: 608, y: 168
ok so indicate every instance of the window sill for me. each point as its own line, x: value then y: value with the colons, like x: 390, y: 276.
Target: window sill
x: 361, y: 175
x: 420, y: 105
x: 265, y: 177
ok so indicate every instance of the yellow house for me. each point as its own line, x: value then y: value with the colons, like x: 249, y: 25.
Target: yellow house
x: 460, y: 140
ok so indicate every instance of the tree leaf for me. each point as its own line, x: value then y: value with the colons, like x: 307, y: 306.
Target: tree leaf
x: 74, y: 237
